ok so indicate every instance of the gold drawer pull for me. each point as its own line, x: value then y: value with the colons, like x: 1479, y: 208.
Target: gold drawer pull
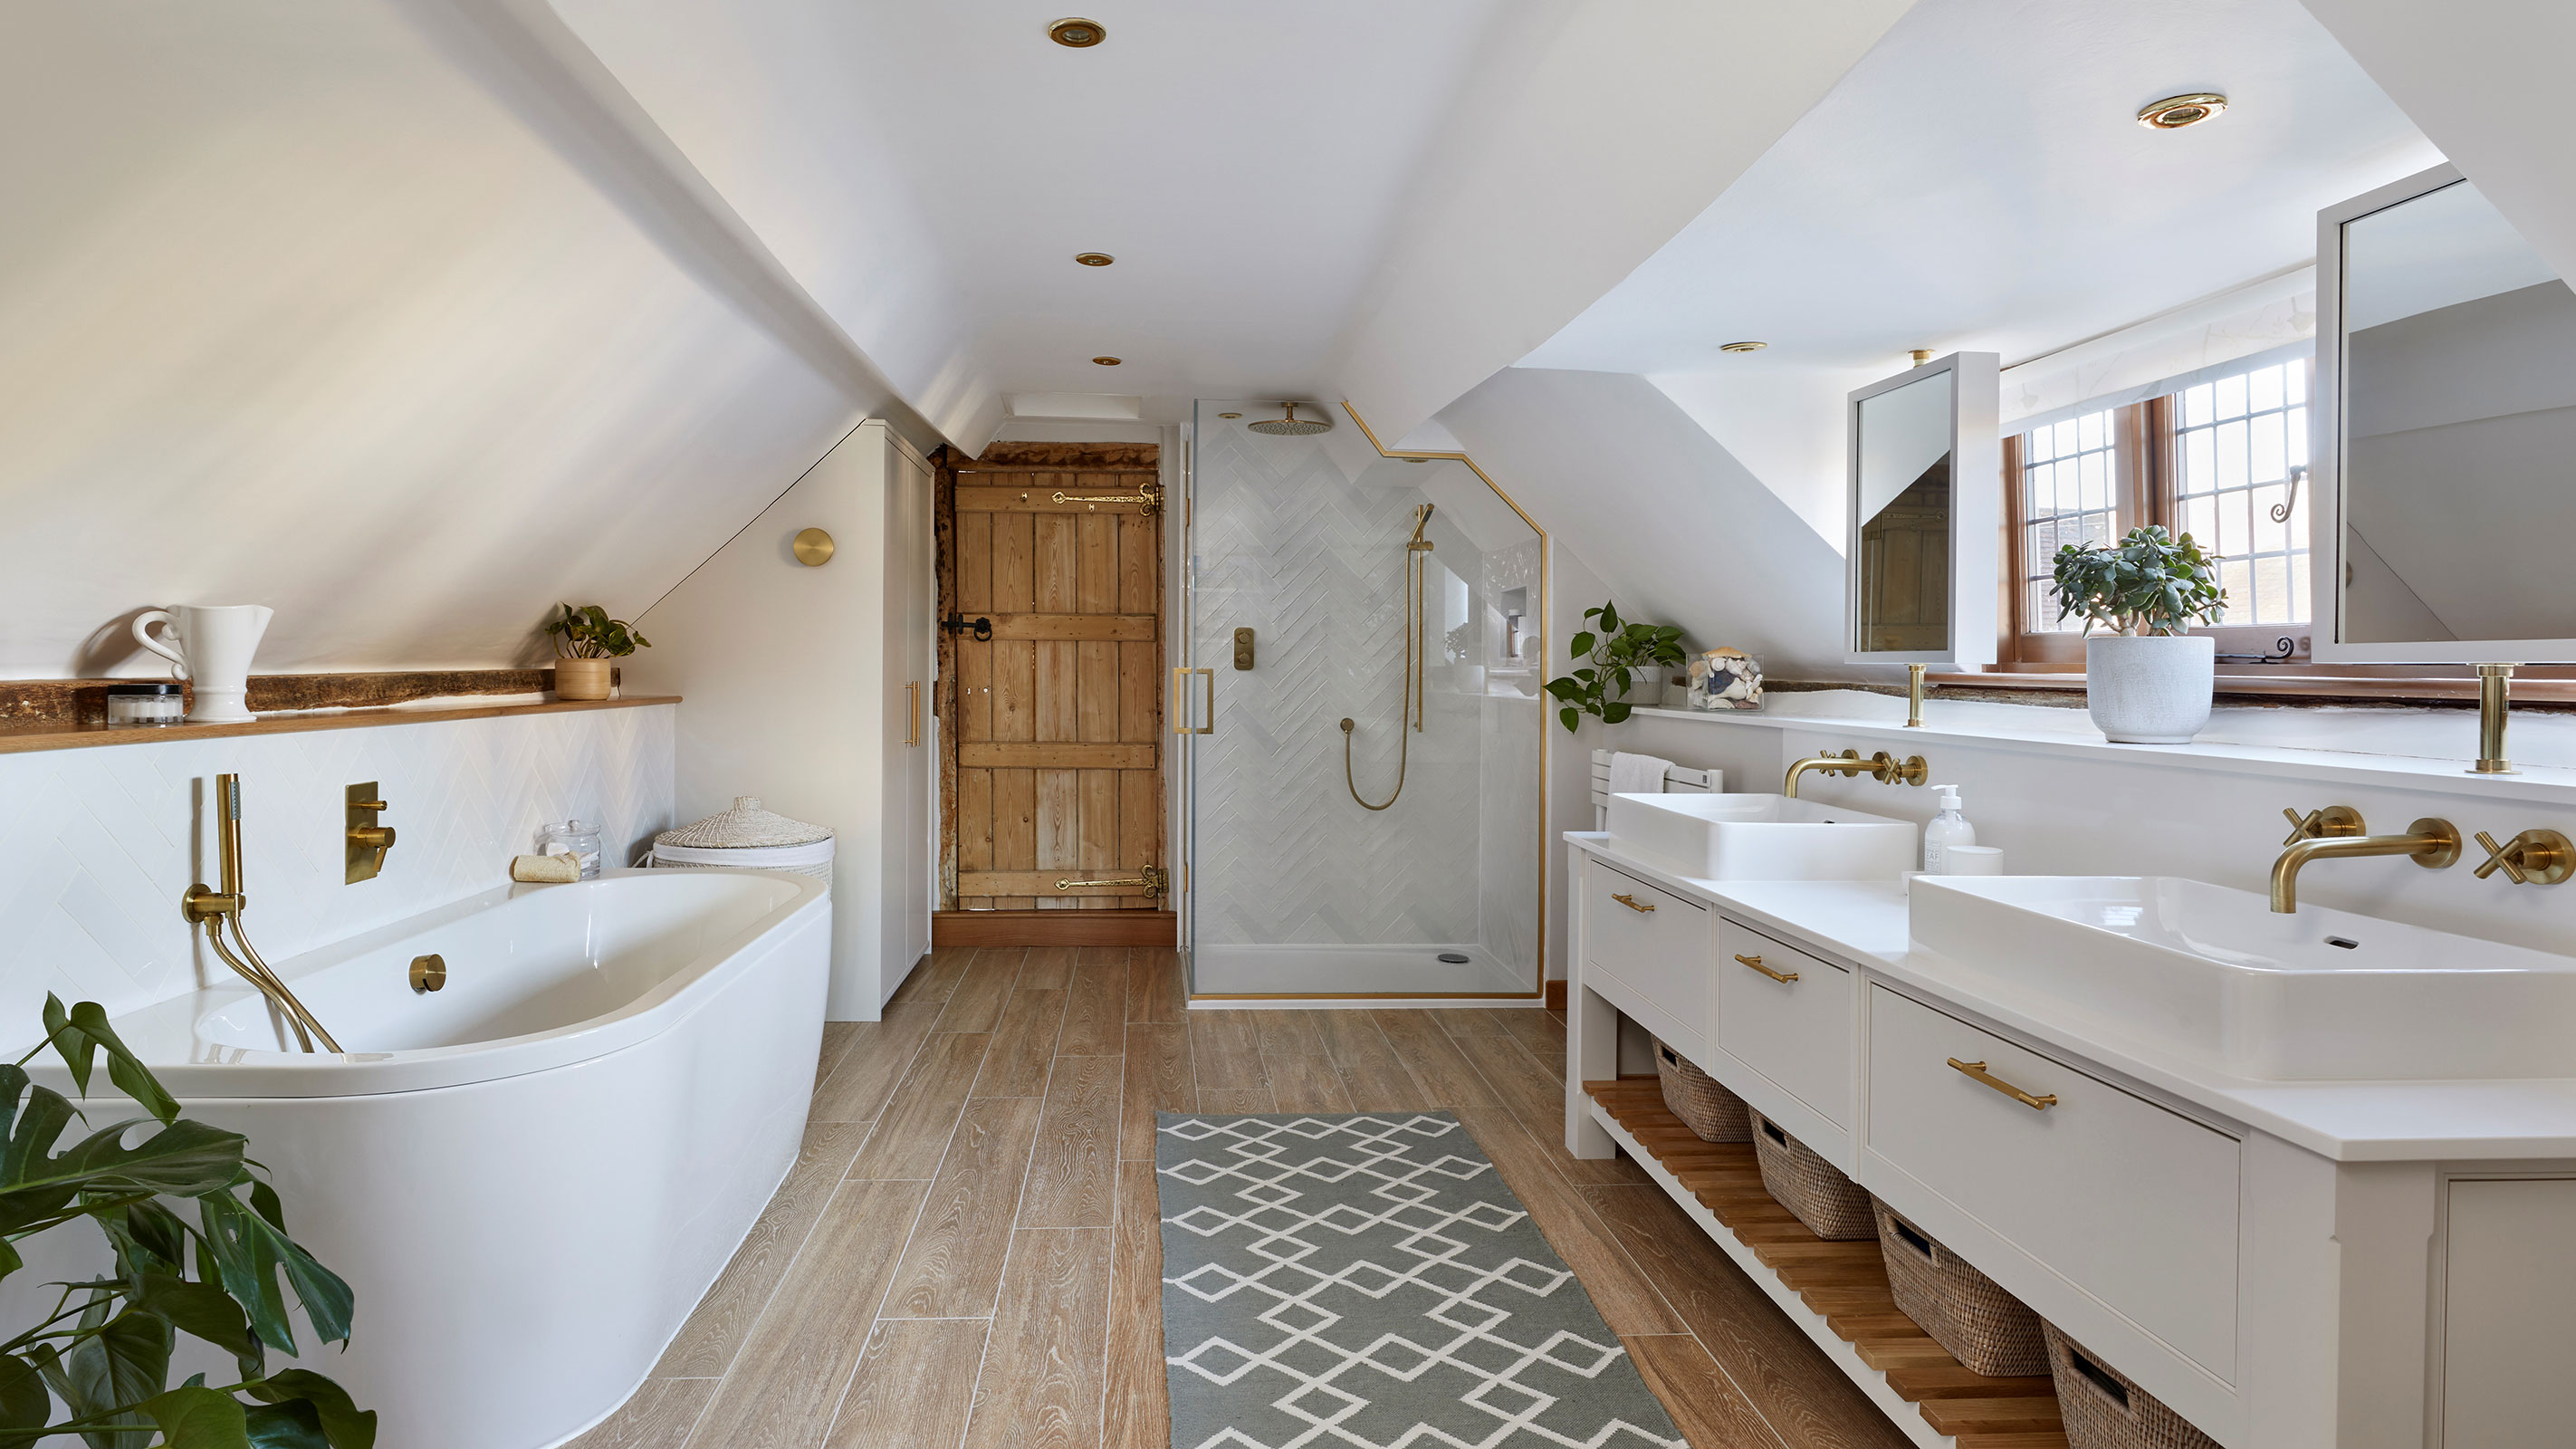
x: 1756, y: 963
x: 1630, y: 902
x: 1976, y: 1072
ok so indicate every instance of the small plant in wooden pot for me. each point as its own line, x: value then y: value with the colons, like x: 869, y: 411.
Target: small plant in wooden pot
x: 587, y: 644
x: 2147, y: 681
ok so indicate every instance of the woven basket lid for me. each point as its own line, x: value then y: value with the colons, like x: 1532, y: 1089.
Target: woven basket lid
x: 746, y: 824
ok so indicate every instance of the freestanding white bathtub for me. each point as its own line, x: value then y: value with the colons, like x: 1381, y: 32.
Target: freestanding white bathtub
x: 531, y: 1175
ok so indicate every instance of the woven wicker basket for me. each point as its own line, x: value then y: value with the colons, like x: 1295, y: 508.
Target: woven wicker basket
x: 1813, y: 1190
x: 2103, y: 1410
x: 746, y: 837
x: 1986, y: 1329
x: 1704, y: 1106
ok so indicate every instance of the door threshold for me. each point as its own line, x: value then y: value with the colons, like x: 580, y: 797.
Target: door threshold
x: 1054, y: 928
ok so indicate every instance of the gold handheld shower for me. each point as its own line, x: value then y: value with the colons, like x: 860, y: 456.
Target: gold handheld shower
x: 1417, y: 567
x: 213, y: 909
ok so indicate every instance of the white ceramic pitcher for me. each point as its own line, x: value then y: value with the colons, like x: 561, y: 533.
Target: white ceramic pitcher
x: 213, y: 645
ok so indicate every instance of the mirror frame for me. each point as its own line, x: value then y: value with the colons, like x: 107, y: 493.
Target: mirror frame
x: 2325, y: 464
x: 1976, y: 512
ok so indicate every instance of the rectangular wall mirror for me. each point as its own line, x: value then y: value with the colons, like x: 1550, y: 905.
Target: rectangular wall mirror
x: 1919, y: 564
x: 2445, y: 432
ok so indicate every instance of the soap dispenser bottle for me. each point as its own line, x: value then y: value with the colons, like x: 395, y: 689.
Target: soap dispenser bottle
x: 1947, y: 829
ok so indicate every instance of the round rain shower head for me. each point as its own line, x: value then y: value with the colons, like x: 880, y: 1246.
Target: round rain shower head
x: 1291, y: 426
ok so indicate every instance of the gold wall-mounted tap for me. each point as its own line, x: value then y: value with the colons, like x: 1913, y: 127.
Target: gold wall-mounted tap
x: 2535, y: 857
x: 1848, y: 762
x: 1886, y: 769
x: 2337, y: 833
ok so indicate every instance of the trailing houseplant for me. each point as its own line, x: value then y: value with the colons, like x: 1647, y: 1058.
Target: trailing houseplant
x: 2147, y: 680
x: 1617, y: 653
x: 199, y: 1247
x: 586, y: 640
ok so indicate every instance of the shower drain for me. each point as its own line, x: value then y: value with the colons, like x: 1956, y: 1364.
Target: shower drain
x: 1454, y: 958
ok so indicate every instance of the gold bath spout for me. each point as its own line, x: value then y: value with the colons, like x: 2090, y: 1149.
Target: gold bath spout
x: 1848, y: 762
x: 2432, y: 843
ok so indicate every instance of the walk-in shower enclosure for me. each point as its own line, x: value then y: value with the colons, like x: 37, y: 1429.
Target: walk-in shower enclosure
x: 1294, y: 887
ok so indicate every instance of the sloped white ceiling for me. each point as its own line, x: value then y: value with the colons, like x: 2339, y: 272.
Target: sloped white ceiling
x: 331, y: 307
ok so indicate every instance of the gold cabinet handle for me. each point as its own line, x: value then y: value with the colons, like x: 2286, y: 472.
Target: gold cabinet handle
x: 1976, y: 1072
x: 912, y: 713
x: 1631, y: 903
x: 1756, y: 963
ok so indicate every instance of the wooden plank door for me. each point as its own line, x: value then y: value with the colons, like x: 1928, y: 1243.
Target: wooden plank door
x: 1059, y: 722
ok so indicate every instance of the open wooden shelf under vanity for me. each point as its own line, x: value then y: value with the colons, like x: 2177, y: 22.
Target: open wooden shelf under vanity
x: 1836, y: 1292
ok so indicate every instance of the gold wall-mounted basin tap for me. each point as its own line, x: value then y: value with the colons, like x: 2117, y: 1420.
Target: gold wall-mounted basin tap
x: 1886, y: 769
x: 2535, y: 857
x: 2337, y: 833
x: 1847, y: 763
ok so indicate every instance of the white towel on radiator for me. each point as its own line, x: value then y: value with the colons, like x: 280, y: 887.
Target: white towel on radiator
x: 1637, y: 774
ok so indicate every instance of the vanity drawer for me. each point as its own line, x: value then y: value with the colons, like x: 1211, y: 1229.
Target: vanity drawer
x: 1656, y: 945
x: 2133, y: 1203
x: 1797, y: 1032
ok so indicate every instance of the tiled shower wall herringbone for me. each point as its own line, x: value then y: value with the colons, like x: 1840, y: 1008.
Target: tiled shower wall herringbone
x: 97, y: 844
x: 1308, y: 549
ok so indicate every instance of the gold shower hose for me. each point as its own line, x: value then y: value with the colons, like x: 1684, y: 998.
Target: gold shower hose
x: 1416, y: 570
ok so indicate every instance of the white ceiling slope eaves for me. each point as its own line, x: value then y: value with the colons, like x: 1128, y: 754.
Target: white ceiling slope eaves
x: 759, y: 97
x: 1587, y: 137
x: 1683, y: 533
x: 2486, y: 81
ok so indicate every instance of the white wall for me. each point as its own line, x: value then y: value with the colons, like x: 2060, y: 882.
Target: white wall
x: 97, y: 844
x: 332, y: 307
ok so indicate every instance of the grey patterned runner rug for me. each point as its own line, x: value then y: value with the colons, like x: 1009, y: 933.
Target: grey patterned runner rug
x: 1366, y: 1281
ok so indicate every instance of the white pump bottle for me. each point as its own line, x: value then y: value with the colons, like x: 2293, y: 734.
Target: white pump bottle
x: 1947, y: 829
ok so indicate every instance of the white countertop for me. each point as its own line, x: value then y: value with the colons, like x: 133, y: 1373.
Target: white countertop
x: 1865, y: 922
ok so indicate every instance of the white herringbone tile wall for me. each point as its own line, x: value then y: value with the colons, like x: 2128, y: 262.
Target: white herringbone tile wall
x: 97, y: 844
x: 1310, y: 554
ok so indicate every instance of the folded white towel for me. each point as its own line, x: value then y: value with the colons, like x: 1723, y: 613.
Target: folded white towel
x: 1637, y: 774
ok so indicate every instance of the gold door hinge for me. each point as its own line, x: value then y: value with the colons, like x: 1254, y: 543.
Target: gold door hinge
x: 1154, y: 879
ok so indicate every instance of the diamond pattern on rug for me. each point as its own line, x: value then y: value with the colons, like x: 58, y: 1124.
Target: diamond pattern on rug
x: 1366, y: 1281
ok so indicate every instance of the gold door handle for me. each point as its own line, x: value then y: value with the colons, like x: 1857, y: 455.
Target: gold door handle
x: 1180, y: 689
x: 1976, y: 1072
x: 1756, y: 963
x: 1631, y: 903
x: 912, y: 714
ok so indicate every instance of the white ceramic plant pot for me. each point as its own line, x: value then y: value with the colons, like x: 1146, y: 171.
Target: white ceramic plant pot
x: 2149, y: 689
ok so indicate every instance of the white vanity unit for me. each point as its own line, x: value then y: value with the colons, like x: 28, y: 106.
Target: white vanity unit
x: 2325, y: 1201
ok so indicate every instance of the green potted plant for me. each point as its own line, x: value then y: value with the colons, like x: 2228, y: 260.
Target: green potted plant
x: 1618, y: 653
x: 586, y: 641
x: 197, y: 1245
x: 2147, y: 681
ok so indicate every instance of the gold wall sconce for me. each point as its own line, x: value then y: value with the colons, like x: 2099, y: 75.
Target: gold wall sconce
x: 813, y: 548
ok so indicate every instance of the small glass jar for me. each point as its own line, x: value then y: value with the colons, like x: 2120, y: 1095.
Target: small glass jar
x: 130, y: 705
x: 576, y: 838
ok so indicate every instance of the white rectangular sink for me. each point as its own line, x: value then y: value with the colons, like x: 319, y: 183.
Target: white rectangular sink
x: 1761, y: 837
x: 2217, y: 977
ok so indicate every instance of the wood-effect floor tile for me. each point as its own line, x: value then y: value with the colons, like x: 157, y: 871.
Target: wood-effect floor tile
x: 1627, y: 1300
x: 1138, y: 1411
x: 1542, y: 1032
x: 1046, y: 1364
x: 912, y: 1133
x: 876, y: 1058
x: 1705, y: 1404
x: 1288, y: 1033
x: 1236, y: 1101
x: 976, y: 1006
x: 1227, y: 1048
x: 1095, y: 1017
x: 1306, y: 1084
x: 708, y: 1341
x: 1160, y: 1078
x: 792, y: 1370
x: 934, y: 979
x: 836, y: 1040
x: 954, y: 1262
x: 1433, y: 1058
x: 1793, y: 1385
x: 1536, y: 1096
x: 659, y: 1416
x: 1023, y: 1048
x: 1073, y: 1172
x: 1156, y: 990
x: 914, y: 1387
x: 1049, y: 968
x: 1370, y: 1068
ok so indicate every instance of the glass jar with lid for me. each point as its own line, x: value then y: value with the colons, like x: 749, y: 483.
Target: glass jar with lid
x: 576, y: 838
x: 145, y: 703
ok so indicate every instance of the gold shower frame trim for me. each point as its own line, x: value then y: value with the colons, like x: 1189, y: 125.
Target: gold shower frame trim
x: 1538, y: 991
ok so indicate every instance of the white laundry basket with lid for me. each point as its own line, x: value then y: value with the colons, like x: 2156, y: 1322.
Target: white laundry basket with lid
x: 746, y: 837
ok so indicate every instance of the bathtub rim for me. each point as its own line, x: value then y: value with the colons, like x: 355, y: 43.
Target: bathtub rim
x: 164, y: 1033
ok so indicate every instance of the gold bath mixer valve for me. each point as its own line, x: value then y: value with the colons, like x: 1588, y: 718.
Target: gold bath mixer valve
x: 2535, y: 857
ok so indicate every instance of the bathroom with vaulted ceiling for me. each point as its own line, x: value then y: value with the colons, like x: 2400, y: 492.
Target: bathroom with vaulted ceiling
x: 1476, y: 724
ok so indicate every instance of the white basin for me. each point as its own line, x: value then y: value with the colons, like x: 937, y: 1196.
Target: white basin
x: 2216, y: 976
x: 1761, y: 837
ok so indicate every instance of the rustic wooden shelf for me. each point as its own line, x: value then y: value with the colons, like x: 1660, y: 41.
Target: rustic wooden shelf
x: 61, y: 735
x: 1836, y: 1292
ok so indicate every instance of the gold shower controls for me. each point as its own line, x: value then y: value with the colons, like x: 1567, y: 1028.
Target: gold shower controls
x: 367, y: 841
x: 1243, y: 648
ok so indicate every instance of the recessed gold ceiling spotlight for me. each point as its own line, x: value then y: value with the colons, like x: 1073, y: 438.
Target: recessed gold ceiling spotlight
x: 1109, y: 361
x: 1229, y: 415
x: 2175, y: 112
x: 1921, y: 355
x: 1077, y: 32
x: 1094, y: 259
x: 1742, y: 346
